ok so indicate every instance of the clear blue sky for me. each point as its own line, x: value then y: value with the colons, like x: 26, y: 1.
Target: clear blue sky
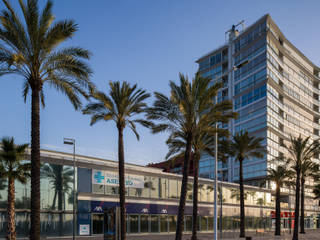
x: 147, y: 42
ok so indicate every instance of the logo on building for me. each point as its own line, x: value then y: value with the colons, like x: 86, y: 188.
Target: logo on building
x: 98, y: 177
x: 164, y: 211
x: 97, y: 209
x: 145, y: 210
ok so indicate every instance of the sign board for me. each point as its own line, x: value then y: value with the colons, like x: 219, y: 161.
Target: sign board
x: 84, y: 229
x: 109, y: 178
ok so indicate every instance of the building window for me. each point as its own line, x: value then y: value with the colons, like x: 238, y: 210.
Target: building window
x: 97, y: 188
x: 97, y: 223
x: 173, y: 188
x: 154, y: 223
x: 110, y: 190
x: 163, y: 188
x: 188, y: 220
x: 144, y: 223
x: 163, y: 223
x: 172, y: 223
x: 203, y: 221
x: 134, y: 223
x: 154, y: 187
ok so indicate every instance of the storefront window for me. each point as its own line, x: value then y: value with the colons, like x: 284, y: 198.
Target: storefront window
x: 154, y: 188
x: 203, y: 221
x: 154, y: 221
x: 144, y: 223
x: 210, y: 223
x: 163, y: 223
x: 97, y: 223
x: 188, y: 220
x: 172, y: 223
x: 134, y: 223
x: 173, y: 188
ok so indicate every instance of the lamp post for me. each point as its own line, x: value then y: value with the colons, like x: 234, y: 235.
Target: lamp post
x: 71, y: 141
x: 289, y: 210
x: 215, y: 179
x: 215, y: 219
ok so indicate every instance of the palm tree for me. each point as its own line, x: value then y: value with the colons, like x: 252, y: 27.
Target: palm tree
x: 279, y: 175
x: 243, y: 146
x: 308, y: 169
x: 123, y: 103
x: 14, y: 168
x: 203, y: 142
x: 190, y: 106
x: 300, y: 152
x: 28, y: 48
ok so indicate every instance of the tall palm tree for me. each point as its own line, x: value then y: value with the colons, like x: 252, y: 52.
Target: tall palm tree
x: 203, y: 142
x: 301, y: 150
x: 280, y: 176
x: 14, y: 168
x: 308, y: 169
x: 28, y: 47
x: 190, y: 104
x: 243, y: 146
x: 121, y: 105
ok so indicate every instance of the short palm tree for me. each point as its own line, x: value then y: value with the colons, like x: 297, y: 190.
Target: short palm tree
x: 28, y: 47
x: 189, y: 104
x: 301, y: 150
x: 280, y: 175
x: 309, y: 169
x: 243, y: 146
x: 14, y: 168
x: 121, y: 105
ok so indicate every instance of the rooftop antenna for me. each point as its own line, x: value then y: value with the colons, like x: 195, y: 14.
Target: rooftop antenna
x: 234, y: 29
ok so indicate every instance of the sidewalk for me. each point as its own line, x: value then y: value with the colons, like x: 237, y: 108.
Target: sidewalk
x: 310, y: 235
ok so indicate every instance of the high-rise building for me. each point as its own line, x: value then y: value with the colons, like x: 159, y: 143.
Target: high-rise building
x: 273, y: 87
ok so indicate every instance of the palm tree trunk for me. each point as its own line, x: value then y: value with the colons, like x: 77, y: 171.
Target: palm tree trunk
x: 60, y: 208
x: 11, y: 211
x: 183, y: 192
x: 195, y: 197
x: 121, y: 184
x: 278, y: 210
x: 53, y: 206
x: 242, y: 214
x: 302, y: 206
x: 35, y: 166
x: 296, y: 210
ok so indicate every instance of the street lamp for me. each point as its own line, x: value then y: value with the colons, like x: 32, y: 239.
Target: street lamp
x: 71, y: 141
